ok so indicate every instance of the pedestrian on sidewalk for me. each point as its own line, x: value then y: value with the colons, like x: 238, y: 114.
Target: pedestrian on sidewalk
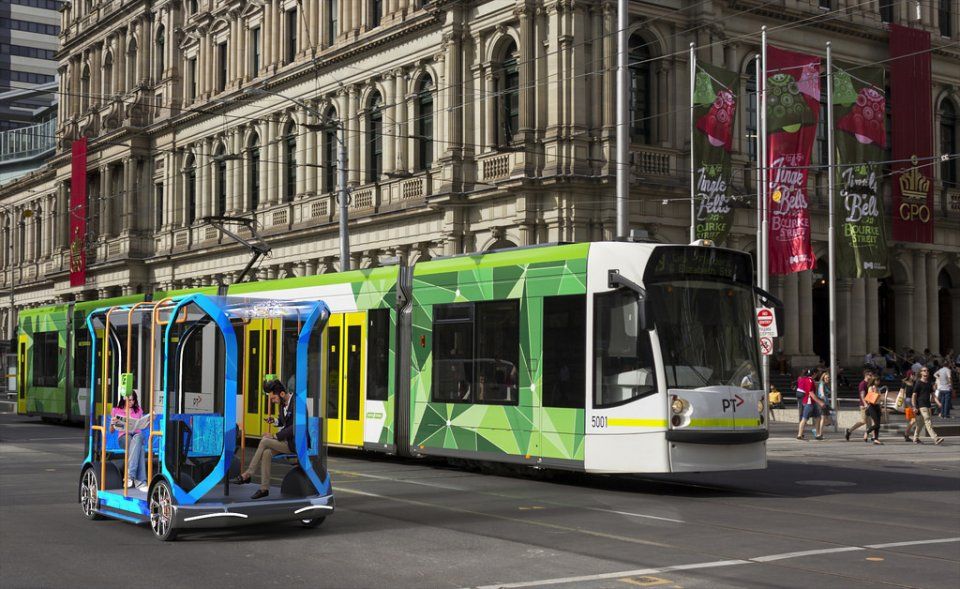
x: 811, y: 405
x: 909, y: 412
x: 920, y: 396
x: 823, y: 393
x: 862, y: 391
x: 944, y: 378
x: 872, y: 400
x: 804, y: 388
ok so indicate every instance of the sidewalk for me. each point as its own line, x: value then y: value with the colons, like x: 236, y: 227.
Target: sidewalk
x: 896, y: 424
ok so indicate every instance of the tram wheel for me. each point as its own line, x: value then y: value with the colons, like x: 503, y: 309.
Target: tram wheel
x: 89, y: 487
x: 161, y: 512
x: 312, y: 522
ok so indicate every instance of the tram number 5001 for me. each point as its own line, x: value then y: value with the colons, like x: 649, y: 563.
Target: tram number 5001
x: 598, y: 422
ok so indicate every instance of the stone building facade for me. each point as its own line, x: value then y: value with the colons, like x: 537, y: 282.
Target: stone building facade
x: 469, y: 125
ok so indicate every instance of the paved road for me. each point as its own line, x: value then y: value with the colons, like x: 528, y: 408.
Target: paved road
x: 825, y: 514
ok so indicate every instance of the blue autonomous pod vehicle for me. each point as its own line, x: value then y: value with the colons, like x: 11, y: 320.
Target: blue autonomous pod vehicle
x: 184, y: 353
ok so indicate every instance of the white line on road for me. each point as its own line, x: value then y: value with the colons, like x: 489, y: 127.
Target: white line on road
x: 706, y: 565
x: 785, y: 555
x: 468, y: 490
x: 913, y: 543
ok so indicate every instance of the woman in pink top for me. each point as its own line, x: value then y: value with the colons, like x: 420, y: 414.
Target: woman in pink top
x: 129, y: 408
x: 809, y: 402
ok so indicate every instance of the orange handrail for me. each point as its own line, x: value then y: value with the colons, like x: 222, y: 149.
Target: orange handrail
x: 153, y: 356
x: 103, y: 453
x: 104, y: 391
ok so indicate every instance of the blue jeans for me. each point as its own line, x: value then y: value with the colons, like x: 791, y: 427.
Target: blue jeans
x: 945, y: 402
x: 136, y: 464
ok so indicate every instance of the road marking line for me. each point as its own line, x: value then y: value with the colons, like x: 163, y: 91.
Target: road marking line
x: 704, y: 565
x: 511, y: 519
x: 913, y: 543
x: 785, y: 555
x: 468, y: 490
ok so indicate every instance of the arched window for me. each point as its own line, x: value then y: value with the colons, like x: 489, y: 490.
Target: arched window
x: 290, y: 162
x: 85, y: 89
x: 425, y: 123
x: 193, y: 7
x: 191, y: 180
x: 751, y: 135
x: 948, y: 143
x: 641, y: 90
x: 253, y: 172
x: 375, y: 138
x: 107, y: 75
x: 132, y: 80
x: 161, y: 40
x: 221, y: 164
x: 508, y: 95
x: 330, y: 150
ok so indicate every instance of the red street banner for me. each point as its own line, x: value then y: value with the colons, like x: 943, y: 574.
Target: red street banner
x: 911, y: 110
x: 78, y: 213
x: 793, y: 108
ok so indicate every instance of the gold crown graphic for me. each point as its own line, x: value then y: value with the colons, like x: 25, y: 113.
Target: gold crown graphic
x: 914, y: 186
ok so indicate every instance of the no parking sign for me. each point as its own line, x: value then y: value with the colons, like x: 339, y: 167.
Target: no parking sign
x: 766, y: 346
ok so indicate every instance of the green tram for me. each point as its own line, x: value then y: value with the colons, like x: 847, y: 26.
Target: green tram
x: 602, y: 357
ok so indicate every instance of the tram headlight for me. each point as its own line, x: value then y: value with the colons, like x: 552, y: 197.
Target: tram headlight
x: 760, y: 407
x: 676, y: 405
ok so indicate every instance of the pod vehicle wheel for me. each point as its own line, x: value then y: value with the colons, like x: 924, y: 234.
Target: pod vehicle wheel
x: 312, y: 522
x: 161, y: 512
x: 89, y: 487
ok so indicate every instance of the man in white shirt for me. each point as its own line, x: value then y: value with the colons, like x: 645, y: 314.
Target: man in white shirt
x: 944, y: 390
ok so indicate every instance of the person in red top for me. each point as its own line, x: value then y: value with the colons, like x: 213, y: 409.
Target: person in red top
x: 810, y: 403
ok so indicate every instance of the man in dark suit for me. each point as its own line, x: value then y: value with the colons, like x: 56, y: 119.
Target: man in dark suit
x: 270, y: 444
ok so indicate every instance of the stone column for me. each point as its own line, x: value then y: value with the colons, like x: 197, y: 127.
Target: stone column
x: 791, y: 306
x: 312, y: 139
x: 528, y: 72
x: 805, y: 307
x: 301, y: 154
x: 919, y: 305
x: 127, y: 214
x: 311, y: 267
x: 933, y: 304
x: 353, y: 137
x: 904, y: 297
x: 264, y: 156
x: 390, y: 116
x: 858, y: 334
x: 844, y: 319
x: 63, y: 214
x: 266, y: 39
x: 404, y: 119
x: 277, y: 32
x: 872, y: 318
x: 270, y: 163
x: 107, y: 200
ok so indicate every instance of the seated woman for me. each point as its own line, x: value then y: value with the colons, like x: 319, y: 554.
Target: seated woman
x: 136, y: 466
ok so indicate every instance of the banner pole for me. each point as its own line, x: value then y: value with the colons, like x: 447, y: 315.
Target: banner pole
x: 693, y: 199
x: 764, y: 233
x: 831, y: 238
x: 758, y: 67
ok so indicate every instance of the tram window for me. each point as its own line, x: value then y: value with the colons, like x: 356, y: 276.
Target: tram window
x: 453, y: 353
x: 564, y: 350
x: 378, y: 352
x: 46, y: 354
x: 476, y: 349
x: 81, y: 357
x: 498, y: 349
x: 253, y: 373
x: 333, y: 372
x: 288, y: 363
x: 623, y: 362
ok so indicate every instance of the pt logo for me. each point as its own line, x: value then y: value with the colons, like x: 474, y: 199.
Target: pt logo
x: 731, y: 404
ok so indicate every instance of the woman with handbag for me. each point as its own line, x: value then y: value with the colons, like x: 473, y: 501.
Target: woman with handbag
x: 823, y: 392
x: 872, y: 400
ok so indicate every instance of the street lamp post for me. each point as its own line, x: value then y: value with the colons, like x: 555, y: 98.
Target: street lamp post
x: 342, y: 196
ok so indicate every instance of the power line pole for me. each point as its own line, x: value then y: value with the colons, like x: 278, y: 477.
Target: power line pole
x: 623, y: 136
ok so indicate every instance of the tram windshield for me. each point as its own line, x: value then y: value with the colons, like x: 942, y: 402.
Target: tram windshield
x: 706, y: 334
x: 703, y: 308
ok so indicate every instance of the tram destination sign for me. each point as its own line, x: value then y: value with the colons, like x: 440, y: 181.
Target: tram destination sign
x: 671, y: 263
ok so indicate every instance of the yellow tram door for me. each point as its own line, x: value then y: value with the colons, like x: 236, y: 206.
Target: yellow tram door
x: 22, y: 374
x: 346, y: 378
x: 262, y: 358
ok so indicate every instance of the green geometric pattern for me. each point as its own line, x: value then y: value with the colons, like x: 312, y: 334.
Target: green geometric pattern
x: 35, y: 321
x: 527, y: 429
